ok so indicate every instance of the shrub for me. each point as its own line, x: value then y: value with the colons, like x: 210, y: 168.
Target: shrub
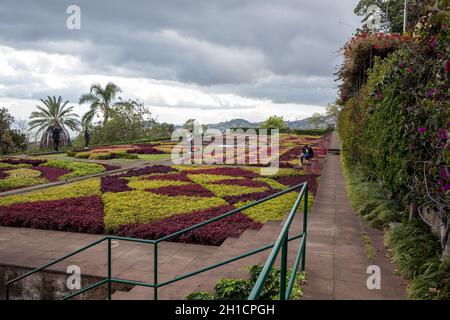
x: 73, y: 215
x: 433, y: 283
x: 148, y: 170
x: 412, y: 247
x: 240, y: 289
x: 250, y: 197
x: 243, y: 183
x: 32, y: 162
x: 224, y: 190
x: 22, y: 177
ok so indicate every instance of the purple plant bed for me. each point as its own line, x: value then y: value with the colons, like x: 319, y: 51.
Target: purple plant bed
x: 238, y: 172
x: 114, y: 184
x: 190, y: 190
x: 170, y: 176
x: 292, y: 181
x: 147, y: 171
x: 243, y: 183
x: 212, y: 234
x: 33, y: 162
x: 50, y: 173
x: 83, y: 214
x: 250, y: 196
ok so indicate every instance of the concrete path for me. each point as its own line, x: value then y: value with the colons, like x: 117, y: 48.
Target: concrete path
x: 337, y: 260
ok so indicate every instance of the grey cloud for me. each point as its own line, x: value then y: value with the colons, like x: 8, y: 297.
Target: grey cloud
x: 264, y: 49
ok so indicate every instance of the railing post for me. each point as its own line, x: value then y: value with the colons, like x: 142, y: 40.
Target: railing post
x: 155, y: 271
x: 283, y: 268
x: 109, y: 269
x: 305, y: 227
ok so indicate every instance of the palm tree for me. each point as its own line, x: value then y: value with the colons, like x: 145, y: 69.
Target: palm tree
x: 101, y: 100
x: 54, y: 116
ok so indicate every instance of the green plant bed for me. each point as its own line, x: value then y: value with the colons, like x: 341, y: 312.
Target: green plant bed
x: 239, y: 289
x: 154, y: 157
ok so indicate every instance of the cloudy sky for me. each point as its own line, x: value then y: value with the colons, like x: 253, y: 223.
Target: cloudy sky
x: 212, y: 60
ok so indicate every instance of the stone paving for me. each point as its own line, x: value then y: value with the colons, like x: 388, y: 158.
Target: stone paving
x: 336, y: 257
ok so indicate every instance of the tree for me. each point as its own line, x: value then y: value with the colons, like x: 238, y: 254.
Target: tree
x: 274, y: 122
x: 392, y: 12
x: 327, y: 119
x: 127, y: 122
x: 54, y: 117
x: 10, y: 140
x: 193, y: 125
x: 100, y: 100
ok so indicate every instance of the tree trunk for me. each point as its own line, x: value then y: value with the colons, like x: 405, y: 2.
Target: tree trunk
x: 413, y: 212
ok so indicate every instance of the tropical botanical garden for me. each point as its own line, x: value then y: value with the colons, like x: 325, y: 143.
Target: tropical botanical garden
x: 115, y: 174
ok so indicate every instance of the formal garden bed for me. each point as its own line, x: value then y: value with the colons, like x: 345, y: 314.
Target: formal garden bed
x: 154, y: 201
x: 16, y: 173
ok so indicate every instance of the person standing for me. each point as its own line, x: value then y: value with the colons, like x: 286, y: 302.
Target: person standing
x: 87, y: 137
x: 56, y: 138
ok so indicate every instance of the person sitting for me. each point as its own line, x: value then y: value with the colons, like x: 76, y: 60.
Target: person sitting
x: 307, y: 153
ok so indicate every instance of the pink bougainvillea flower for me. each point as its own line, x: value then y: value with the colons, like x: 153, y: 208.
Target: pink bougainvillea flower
x: 431, y: 92
x: 422, y: 130
x: 443, y: 134
x: 410, y: 69
x: 433, y: 42
x: 401, y: 64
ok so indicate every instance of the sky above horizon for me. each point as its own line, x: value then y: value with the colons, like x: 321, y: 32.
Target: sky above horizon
x: 212, y: 60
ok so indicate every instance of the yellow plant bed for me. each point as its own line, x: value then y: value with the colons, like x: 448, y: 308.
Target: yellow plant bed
x: 146, y: 207
x: 78, y: 189
x: 274, y: 209
x: 223, y: 190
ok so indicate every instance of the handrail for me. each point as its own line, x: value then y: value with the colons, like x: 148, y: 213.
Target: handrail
x: 109, y: 280
x: 282, y: 244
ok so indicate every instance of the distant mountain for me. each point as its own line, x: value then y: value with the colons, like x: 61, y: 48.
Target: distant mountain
x: 242, y: 123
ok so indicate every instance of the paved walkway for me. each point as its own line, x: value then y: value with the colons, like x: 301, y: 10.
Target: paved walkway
x: 336, y: 252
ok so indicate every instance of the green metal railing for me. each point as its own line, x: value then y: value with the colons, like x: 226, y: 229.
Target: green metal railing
x: 281, y: 243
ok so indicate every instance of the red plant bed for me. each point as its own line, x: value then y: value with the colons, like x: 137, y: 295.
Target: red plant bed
x: 109, y: 167
x: 243, y: 182
x: 170, y: 176
x: 191, y: 190
x: 50, y: 173
x: 146, y: 150
x: 114, y: 184
x: 3, y: 174
x: 292, y: 181
x: 212, y: 234
x: 33, y: 162
x: 250, y: 196
x: 291, y: 154
x: 147, y: 171
x: 83, y: 214
x: 226, y: 172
